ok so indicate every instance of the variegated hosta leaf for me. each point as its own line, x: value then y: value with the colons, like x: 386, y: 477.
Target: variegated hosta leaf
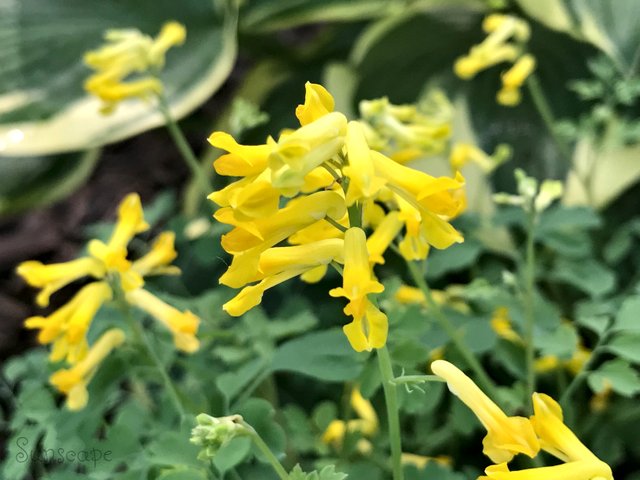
x: 612, y: 26
x: 43, y: 107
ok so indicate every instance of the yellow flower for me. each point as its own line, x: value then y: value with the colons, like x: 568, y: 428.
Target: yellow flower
x: 501, y: 324
x: 53, y: 277
x: 317, y: 103
x: 421, y: 461
x: 513, y: 79
x: 249, y: 239
x: 358, y: 281
x: 157, y: 260
x: 383, y: 236
x: 67, y: 326
x: 73, y: 381
x: 242, y: 160
x: 183, y: 325
x: 582, y: 470
x: 367, y: 422
x: 506, y: 436
x: 363, y: 183
x: 298, y: 153
x: 128, y: 52
x: 279, y: 264
x: 130, y: 222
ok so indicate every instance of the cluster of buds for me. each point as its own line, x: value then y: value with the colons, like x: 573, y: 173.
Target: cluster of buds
x: 112, y: 273
x: 130, y: 53
x: 505, y: 42
x: 211, y: 433
x: 336, y: 200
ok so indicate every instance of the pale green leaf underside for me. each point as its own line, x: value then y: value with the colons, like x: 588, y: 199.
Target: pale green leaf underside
x: 43, y: 107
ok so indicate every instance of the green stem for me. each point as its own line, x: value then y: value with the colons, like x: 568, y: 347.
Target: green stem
x: 582, y: 374
x: 393, y: 414
x: 529, y: 299
x: 544, y: 109
x: 141, y: 338
x: 264, y: 448
x: 473, y: 363
x: 183, y: 146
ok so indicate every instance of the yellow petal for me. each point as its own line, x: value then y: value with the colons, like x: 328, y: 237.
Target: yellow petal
x: 383, y: 236
x: 162, y: 253
x: 317, y: 103
x: 242, y: 160
x: 368, y: 331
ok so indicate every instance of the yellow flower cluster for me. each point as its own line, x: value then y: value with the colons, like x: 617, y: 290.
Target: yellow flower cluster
x: 504, y: 43
x: 126, y: 53
x: 321, y: 188
x: 509, y: 436
x: 66, y: 328
x: 366, y: 424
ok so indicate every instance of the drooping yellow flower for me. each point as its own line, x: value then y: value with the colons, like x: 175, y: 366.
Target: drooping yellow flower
x: 129, y: 52
x: 183, y: 325
x: 367, y: 422
x: 317, y: 103
x: 66, y: 327
x: 421, y: 461
x: 383, y: 236
x: 502, y: 325
x: 73, y: 381
x: 513, y: 79
x: 358, y: 281
x: 51, y: 278
x: 506, y: 436
x: 363, y: 182
x: 279, y: 264
x: 249, y: 239
x: 507, y: 35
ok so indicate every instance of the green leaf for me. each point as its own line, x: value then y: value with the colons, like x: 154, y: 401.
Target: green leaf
x: 27, y: 182
x: 327, y: 473
x: 323, y: 355
x: 41, y: 93
x: 626, y: 346
x: 628, y: 317
x: 562, y: 342
x: 183, y: 474
x: 266, y: 15
x: 618, y: 375
x: 232, y: 453
x: 588, y: 275
x: 453, y: 258
x: 173, y: 448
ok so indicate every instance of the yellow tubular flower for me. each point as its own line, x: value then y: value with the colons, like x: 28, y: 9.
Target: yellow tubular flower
x: 363, y: 183
x: 555, y: 437
x: 157, y: 260
x: 70, y: 322
x: 53, y: 277
x: 130, y: 222
x: 183, y: 325
x: 317, y: 103
x: 421, y: 461
x: 383, y: 236
x: 368, y: 331
x: 73, y: 381
x: 172, y: 34
x: 581, y: 470
x: 242, y: 160
x: 501, y: 325
x: 506, y: 436
x: 322, y: 252
x: 357, y: 277
x: 366, y: 413
x: 128, y: 52
x: 298, y: 153
x: 514, y: 78
x: 409, y: 295
x: 251, y: 197
x: 247, y: 242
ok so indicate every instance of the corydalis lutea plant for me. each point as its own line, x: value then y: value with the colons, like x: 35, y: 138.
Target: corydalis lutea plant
x: 322, y: 188
x: 113, y: 275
